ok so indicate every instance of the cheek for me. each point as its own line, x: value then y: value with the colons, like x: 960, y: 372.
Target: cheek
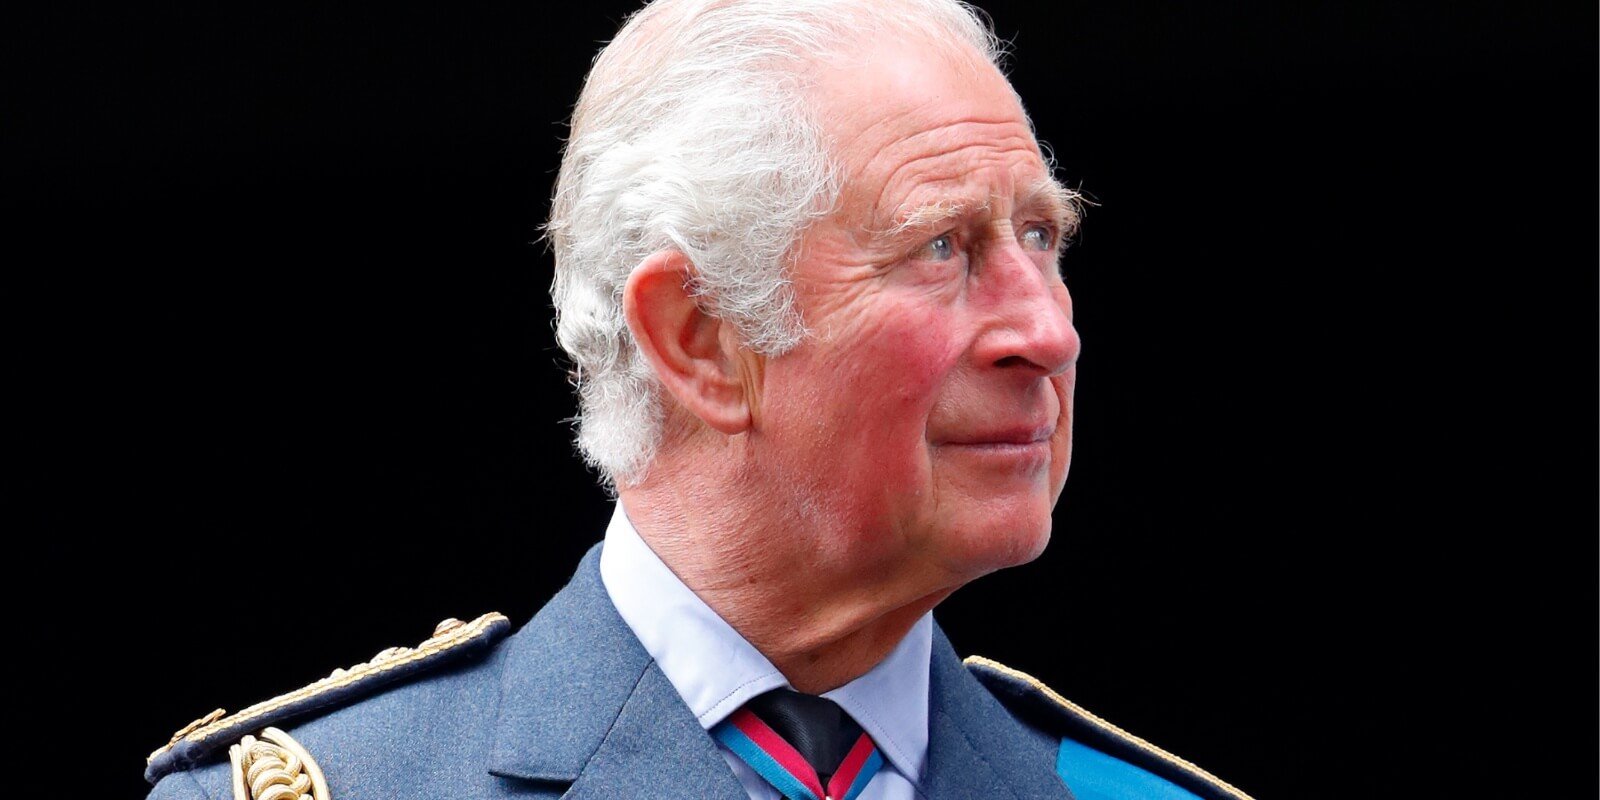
x: 897, y: 371
x: 856, y: 399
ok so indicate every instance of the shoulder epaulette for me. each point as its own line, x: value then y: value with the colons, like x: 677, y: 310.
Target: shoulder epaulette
x: 452, y: 640
x: 1032, y: 699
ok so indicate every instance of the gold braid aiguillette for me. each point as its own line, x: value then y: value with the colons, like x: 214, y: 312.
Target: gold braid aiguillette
x: 275, y: 767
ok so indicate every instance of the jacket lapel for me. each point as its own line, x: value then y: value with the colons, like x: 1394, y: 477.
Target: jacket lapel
x: 656, y: 749
x: 975, y: 747
x: 583, y: 704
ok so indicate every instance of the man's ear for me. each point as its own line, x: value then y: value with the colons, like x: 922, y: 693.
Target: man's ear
x: 688, y: 348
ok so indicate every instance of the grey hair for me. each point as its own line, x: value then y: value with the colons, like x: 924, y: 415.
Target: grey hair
x: 693, y: 133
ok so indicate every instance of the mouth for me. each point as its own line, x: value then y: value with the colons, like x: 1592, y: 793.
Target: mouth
x: 1021, y: 446
x: 1014, y: 436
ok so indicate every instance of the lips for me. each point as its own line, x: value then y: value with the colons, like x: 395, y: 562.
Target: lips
x: 1011, y: 435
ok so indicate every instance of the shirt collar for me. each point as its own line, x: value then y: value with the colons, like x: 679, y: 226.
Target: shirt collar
x: 716, y: 671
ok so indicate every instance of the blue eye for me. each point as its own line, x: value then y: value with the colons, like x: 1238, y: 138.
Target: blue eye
x: 1037, y: 237
x: 941, y: 248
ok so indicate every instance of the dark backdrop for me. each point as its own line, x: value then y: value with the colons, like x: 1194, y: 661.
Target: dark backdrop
x: 289, y: 392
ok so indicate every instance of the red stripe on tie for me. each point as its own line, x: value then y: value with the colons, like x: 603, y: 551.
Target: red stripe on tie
x: 839, y: 784
x: 781, y: 751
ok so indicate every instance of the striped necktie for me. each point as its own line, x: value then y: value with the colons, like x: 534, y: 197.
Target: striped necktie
x: 806, y: 746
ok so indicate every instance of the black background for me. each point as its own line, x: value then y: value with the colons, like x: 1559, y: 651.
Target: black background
x: 289, y: 393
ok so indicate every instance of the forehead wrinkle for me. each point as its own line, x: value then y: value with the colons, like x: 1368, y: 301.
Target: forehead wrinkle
x: 967, y: 189
x: 975, y: 121
x: 990, y: 154
x: 863, y: 170
x: 1018, y: 141
x: 843, y: 145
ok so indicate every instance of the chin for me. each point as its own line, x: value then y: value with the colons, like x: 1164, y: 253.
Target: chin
x: 991, y: 541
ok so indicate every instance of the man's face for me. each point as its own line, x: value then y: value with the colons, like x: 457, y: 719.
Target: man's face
x: 928, y: 416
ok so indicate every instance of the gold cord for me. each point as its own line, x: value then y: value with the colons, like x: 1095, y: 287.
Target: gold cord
x: 275, y: 767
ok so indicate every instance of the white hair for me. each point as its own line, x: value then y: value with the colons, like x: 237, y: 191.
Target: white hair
x: 693, y: 133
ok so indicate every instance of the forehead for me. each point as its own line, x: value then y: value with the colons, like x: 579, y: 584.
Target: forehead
x: 914, y: 123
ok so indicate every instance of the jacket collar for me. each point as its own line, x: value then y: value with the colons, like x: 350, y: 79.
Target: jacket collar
x: 583, y: 703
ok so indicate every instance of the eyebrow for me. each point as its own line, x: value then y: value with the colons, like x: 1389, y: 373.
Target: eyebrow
x: 1062, y: 205
x: 1058, y: 203
x: 934, y: 214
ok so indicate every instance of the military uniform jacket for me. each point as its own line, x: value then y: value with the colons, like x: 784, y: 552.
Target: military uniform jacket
x: 571, y: 706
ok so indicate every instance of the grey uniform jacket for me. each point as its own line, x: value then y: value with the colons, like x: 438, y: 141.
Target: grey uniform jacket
x: 571, y: 706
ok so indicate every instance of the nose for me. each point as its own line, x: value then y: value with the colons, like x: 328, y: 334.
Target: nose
x: 1029, y: 312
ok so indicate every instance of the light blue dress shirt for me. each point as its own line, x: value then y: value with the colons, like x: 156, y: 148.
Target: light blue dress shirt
x: 716, y: 671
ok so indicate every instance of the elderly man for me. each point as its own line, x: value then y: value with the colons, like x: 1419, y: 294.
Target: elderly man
x: 806, y: 268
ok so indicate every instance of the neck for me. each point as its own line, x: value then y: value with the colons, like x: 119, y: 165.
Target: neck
x: 821, y: 620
